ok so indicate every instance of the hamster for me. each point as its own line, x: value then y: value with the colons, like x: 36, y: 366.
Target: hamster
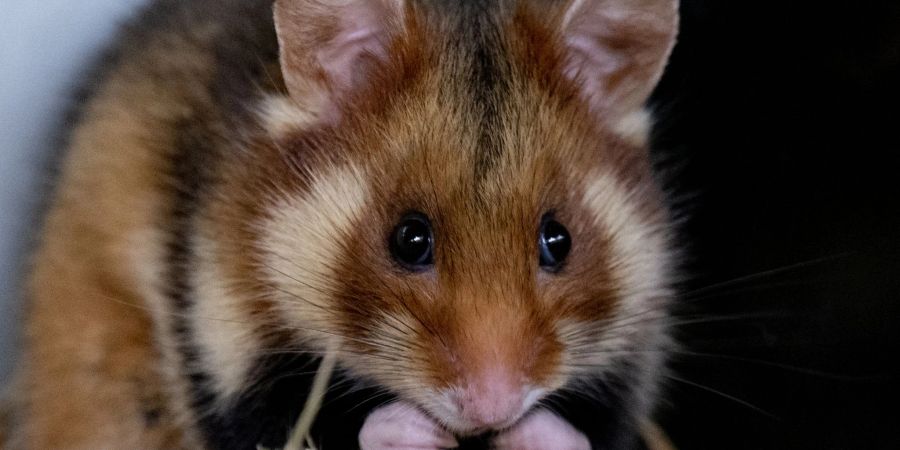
x: 454, y: 199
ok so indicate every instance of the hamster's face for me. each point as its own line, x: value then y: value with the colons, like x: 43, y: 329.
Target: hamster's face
x: 472, y: 266
x: 467, y: 233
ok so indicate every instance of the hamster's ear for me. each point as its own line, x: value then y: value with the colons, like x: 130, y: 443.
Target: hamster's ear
x: 327, y: 45
x: 617, y: 50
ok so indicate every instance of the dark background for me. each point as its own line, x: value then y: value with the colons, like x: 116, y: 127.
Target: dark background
x: 778, y: 135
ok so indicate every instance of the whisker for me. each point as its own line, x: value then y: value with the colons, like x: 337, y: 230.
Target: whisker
x: 744, y: 290
x: 783, y: 366
x: 724, y: 395
x: 766, y: 273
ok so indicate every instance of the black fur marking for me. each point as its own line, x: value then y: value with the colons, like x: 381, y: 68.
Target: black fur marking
x: 479, y: 31
x: 266, y: 410
x: 151, y: 416
x: 186, y: 169
x: 267, y: 413
x: 603, y: 414
x: 199, y: 139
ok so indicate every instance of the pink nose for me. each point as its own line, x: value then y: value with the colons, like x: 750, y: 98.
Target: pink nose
x: 491, y: 400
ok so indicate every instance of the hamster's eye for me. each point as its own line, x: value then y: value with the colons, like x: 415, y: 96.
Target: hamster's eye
x: 411, y: 242
x: 554, y: 243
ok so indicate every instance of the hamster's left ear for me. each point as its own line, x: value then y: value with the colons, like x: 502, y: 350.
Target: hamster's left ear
x: 327, y: 45
x: 617, y: 50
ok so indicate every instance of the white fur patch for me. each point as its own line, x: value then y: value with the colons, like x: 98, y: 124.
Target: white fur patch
x: 280, y: 115
x: 640, y: 258
x: 302, y: 240
x: 640, y: 262
x: 219, y: 319
x: 146, y: 252
x: 635, y: 127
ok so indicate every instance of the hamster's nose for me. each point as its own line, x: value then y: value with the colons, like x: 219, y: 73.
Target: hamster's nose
x: 491, y: 399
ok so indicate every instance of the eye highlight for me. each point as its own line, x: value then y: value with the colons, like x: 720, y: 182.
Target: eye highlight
x: 411, y: 242
x: 554, y: 243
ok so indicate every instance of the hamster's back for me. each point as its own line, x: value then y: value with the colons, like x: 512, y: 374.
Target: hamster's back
x: 164, y: 101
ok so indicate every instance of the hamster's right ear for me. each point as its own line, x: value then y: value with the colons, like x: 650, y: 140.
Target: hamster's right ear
x: 618, y: 49
x: 327, y: 46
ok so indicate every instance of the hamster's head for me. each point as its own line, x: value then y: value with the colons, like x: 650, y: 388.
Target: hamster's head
x: 450, y: 199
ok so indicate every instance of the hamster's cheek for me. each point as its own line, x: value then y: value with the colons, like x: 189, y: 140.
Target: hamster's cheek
x: 401, y: 426
x: 542, y: 430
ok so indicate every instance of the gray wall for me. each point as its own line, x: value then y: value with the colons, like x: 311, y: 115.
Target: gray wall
x: 43, y: 47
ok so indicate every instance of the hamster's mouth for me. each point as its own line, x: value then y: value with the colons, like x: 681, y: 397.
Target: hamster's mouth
x: 449, y: 415
x: 466, y: 430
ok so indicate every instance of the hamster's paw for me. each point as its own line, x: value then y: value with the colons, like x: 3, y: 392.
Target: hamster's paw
x: 401, y: 426
x: 542, y: 430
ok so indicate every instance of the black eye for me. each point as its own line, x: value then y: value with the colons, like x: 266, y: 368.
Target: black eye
x: 411, y: 242
x: 554, y: 243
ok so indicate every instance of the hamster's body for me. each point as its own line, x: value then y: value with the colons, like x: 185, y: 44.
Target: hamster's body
x: 218, y: 227
x: 94, y: 372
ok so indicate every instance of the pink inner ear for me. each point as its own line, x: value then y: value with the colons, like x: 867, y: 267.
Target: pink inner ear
x: 591, y: 68
x: 588, y: 57
x: 362, y: 30
x: 341, y: 57
x: 327, y: 45
x: 617, y: 50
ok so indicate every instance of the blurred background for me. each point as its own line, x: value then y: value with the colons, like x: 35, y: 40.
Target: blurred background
x: 778, y: 135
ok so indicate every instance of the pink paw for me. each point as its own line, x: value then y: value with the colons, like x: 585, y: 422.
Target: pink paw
x: 401, y: 426
x: 542, y: 430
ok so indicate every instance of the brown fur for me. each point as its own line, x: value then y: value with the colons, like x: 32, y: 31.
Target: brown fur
x: 101, y: 364
x: 415, y: 135
x: 93, y: 375
x: 88, y: 335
